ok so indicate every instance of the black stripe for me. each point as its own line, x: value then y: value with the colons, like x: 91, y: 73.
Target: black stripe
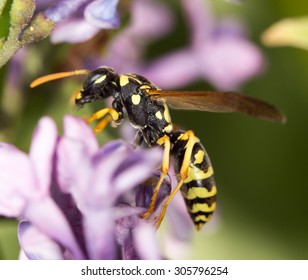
x: 200, y: 213
x: 208, y: 200
x: 207, y: 183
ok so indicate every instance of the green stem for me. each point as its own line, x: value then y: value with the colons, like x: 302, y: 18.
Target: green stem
x: 24, y: 29
x: 2, y: 5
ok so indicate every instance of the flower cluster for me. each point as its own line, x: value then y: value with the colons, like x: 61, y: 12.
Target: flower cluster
x: 73, y: 198
x: 80, y: 20
x: 219, y: 52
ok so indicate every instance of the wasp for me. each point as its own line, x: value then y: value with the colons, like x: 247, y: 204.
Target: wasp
x: 147, y: 108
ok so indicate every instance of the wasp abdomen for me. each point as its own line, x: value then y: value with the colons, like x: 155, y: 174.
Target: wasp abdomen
x: 199, y: 188
x: 200, y: 199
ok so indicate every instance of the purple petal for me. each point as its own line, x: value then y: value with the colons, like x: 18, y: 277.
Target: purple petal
x: 174, y: 70
x: 42, y: 151
x: 179, y: 220
x: 105, y: 169
x: 111, y: 147
x: 99, y: 234
x: 132, y: 234
x: 145, y: 234
x: 124, y: 235
x: 22, y: 256
x: 36, y: 245
x: 73, y: 167
x: 135, y: 169
x: 120, y: 60
x: 47, y: 217
x: 103, y: 14
x: 71, y: 212
x: 63, y: 9
x: 88, y: 178
x: 200, y: 18
x: 144, y: 26
x: 43, y: 4
x: 74, y: 155
x: 150, y: 20
x: 73, y: 31
x: 17, y: 181
x: 116, y: 172
x: 78, y: 129
x: 229, y: 27
x: 228, y: 62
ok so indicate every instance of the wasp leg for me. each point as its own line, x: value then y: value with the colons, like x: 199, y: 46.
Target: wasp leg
x: 102, y: 124
x: 113, y: 116
x: 138, y: 139
x: 165, y: 140
x: 191, y: 139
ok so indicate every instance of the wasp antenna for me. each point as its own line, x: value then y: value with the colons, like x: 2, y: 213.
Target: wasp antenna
x: 56, y: 76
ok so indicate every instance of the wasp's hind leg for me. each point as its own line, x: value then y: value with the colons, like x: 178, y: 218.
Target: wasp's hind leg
x: 191, y: 139
x: 165, y: 140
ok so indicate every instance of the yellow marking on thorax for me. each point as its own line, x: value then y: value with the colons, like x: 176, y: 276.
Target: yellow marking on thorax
x: 101, y: 79
x: 199, y: 156
x: 202, y: 207
x: 194, y: 173
x: 145, y: 87
x: 136, y: 99
x: 124, y: 80
x: 167, y: 114
x: 197, y: 192
x: 159, y: 115
x: 168, y: 128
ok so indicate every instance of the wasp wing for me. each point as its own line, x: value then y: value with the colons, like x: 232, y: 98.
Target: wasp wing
x: 219, y: 102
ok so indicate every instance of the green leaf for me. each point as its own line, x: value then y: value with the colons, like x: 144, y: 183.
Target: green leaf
x: 287, y: 32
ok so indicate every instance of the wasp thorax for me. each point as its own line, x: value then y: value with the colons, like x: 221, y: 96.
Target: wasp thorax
x: 99, y: 84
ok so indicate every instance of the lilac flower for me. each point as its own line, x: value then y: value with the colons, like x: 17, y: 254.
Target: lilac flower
x: 150, y: 20
x: 27, y: 194
x: 71, y: 196
x: 219, y: 53
x: 80, y: 20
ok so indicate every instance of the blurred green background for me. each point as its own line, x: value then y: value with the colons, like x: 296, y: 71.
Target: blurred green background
x: 260, y: 167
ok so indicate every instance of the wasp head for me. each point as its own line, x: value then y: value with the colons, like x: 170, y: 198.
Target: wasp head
x: 99, y: 84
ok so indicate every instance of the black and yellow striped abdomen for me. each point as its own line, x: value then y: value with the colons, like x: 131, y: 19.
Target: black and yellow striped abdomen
x: 199, y: 188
